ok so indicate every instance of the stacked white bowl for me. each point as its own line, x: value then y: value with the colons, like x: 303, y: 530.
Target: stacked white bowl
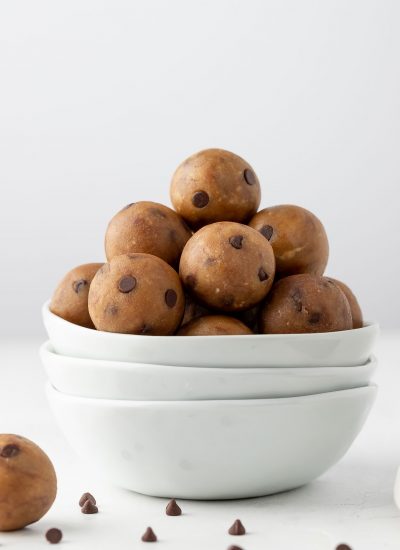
x: 209, y: 417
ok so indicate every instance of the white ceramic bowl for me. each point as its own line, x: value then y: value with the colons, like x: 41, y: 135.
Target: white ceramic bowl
x: 213, y: 449
x: 329, y: 349
x: 142, y: 382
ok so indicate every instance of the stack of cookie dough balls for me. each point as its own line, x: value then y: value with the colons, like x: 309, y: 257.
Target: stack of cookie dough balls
x: 214, y: 265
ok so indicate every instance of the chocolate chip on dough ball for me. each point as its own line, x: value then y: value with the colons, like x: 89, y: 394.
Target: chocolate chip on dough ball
x: 297, y: 236
x: 228, y: 266
x: 149, y: 228
x: 28, y: 482
x: 213, y: 325
x: 70, y: 299
x: 355, y: 308
x: 215, y: 185
x: 136, y: 294
x: 305, y: 303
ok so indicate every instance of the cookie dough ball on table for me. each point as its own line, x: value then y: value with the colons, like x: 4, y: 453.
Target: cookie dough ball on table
x: 136, y: 294
x: 355, y: 308
x: 28, y: 482
x: 228, y: 266
x: 305, y: 303
x: 70, y: 299
x: 215, y: 185
x: 149, y: 228
x: 214, y: 325
x: 297, y: 236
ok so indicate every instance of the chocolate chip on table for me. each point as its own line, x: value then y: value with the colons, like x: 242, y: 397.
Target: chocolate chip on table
x: 267, y: 231
x: 8, y: 451
x: 262, y: 275
x: 200, y: 199
x: 343, y: 547
x: 236, y: 241
x: 126, y: 284
x: 173, y: 509
x: 79, y: 285
x: 237, y: 528
x: 170, y: 297
x: 234, y: 547
x: 54, y: 535
x: 85, y: 497
x: 149, y: 535
x: 249, y: 176
x: 89, y: 508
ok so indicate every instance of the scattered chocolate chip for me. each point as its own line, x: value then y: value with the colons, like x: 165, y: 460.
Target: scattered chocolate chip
x: 79, y: 285
x: 343, y: 547
x: 314, y: 318
x: 250, y: 177
x: 236, y: 241
x: 170, y: 297
x: 262, y: 275
x: 237, y: 528
x: 54, y: 535
x: 126, y: 284
x: 296, y: 297
x: 9, y: 451
x: 234, y: 547
x: 111, y: 309
x: 200, y: 199
x: 85, y: 497
x: 210, y: 261
x: 157, y: 212
x: 173, y: 509
x: 89, y: 508
x: 267, y: 231
x: 149, y: 535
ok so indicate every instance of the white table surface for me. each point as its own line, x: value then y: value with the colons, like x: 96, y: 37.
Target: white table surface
x: 352, y: 503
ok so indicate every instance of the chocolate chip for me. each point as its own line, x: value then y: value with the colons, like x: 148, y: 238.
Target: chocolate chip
x: 250, y: 177
x: 128, y: 206
x: 79, y: 285
x: 170, y: 297
x: 267, y: 231
x: 85, y: 497
x: 234, y: 547
x: 314, y: 318
x: 89, y: 508
x: 210, y: 261
x: 111, y: 309
x: 149, y: 535
x: 343, y: 547
x: 262, y: 275
x: 9, y: 451
x: 126, y: 284
x: 54, y: 535
x: 237, y: 528
x: 296, y: 297
x: 200, y: 199
x: 157, y: 212
x: 173, y: 509
x: 236, y: 241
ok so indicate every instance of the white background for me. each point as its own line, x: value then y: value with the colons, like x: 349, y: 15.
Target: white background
x: 99, y: 101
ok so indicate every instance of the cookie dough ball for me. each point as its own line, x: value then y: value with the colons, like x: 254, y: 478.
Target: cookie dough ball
x: 213, y: 325
x: 356, y: 312
x: 297, y: 236
x: 215, y: 185
x: 305, y: 303
x: 28, y: 482
x: 193, y: 309
x: 149, y: 228
x: 136, y: 294
x: 228, y: 266
x: 70, y: 299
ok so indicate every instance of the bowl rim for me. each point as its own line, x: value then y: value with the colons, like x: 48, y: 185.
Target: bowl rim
x: 369, y: 326
x: 46, y: 348
x: 371, y: 389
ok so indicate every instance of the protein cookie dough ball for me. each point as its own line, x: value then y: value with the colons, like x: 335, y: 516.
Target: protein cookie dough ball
x: 215, y: 185
x: 213, y: 325
x: 305, y: 303
x: 228, y: 266
x: 28, y: 482
x: 149, y: 228
x: 136, y: 294
x: 70, y: 299
x: 297, y: 236
x: 355, y: 308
